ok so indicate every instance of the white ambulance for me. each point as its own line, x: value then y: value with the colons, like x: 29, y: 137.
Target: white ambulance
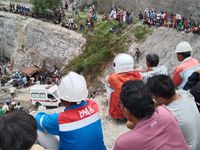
x: 45, y: 95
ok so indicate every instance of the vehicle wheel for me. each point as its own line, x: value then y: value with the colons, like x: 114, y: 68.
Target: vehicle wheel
x: 37, y: 104
x: 59, y: 105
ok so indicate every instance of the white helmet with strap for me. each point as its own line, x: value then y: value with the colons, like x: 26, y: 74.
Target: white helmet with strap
x: 183, y: 47
x: 73, y: 88
x: 123, y: 63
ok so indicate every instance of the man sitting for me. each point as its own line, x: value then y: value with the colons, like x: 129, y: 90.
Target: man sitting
x: 182, y: 106
x: 153, y: 128
x: 187, y: 67
x: 153, y: 67
x: 123, y: 66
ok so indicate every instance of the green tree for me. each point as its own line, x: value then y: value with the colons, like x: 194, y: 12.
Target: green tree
x: 42, y: 6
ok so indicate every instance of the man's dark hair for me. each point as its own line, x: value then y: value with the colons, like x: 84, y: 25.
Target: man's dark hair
x: 152, y: 60
x: 161, y: 86
x: 18, y: 131
x: 186, y: 54
x: 137, y: 98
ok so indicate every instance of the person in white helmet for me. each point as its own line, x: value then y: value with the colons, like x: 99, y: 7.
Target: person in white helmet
x: 123, y: 65
x: 187, y: 67
x: 79, y: 126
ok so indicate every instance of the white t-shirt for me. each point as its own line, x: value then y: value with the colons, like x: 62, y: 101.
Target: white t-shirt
x: 5, y: 108
x: 188, y: 117
x: 160, y: 69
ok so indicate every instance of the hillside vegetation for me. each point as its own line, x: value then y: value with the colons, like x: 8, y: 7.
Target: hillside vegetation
x: 100, y: 48
x: 102, y: 45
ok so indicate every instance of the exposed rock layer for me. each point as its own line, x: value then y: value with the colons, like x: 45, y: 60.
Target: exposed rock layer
x: 30, y: 41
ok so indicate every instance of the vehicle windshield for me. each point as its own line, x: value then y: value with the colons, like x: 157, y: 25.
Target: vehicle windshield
x: 55, y: 93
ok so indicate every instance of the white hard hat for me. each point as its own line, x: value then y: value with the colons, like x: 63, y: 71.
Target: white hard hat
x: 123, y: 63
x: 13, y: 103
x: 183, y: 47
x: 73, y: 88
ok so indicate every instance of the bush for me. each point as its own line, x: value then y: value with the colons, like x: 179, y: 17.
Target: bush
x: 140, y: 32
x: 100, y: 49
x: 42, y: 6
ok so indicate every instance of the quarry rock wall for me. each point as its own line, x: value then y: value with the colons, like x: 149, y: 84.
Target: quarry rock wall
x: 29, y: 41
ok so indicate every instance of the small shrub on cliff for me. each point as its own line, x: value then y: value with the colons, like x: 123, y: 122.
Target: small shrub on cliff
x: 42, y: 6
x: 140, y: 32
x: 100, y: 49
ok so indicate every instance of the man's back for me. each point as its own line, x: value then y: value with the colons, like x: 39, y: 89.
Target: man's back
x: 79, y: 127
x: 115, y: 82
x: 160, y: 132
x: 187, y: 115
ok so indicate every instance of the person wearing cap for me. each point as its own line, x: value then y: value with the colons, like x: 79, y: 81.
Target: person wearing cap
x: 79, y: 126
x: 123, y: 66
x: 187, y: 67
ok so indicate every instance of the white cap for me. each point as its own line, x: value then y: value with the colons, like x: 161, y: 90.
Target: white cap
x: 13, y: 103
x: 123, y: 63
x: 183, y: 47
x: 73, y: 88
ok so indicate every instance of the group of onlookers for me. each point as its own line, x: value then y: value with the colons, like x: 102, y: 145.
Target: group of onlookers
x: 158, y: 115
x: 163, y: 18
x: 10, y: 106
x: 140, y: 96
x: 119, y: 14
x: 19, y: 9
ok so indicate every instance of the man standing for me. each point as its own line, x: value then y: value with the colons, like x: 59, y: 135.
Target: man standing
x: 79, y: 126
x: 12, y: 91
x: 137, y: 55
x: 123, y: 66
x: 182, y: 106
x: 187, y: 67
x: 153, y: 128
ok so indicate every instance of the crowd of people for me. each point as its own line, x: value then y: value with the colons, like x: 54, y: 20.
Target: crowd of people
x: 160, y: 111
x: 19, y: 9
x: 139, y: 95
x: 54, y: 15
x: 155, y: 105
x: 153, y: 17
x: 119, y: 14
x: 10, y: 106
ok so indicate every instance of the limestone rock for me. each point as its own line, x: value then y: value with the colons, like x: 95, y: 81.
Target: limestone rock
x: 30, y: 41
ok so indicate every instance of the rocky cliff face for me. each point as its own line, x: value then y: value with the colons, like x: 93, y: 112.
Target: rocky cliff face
x: 184, y: 7
x: 31, y: 41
